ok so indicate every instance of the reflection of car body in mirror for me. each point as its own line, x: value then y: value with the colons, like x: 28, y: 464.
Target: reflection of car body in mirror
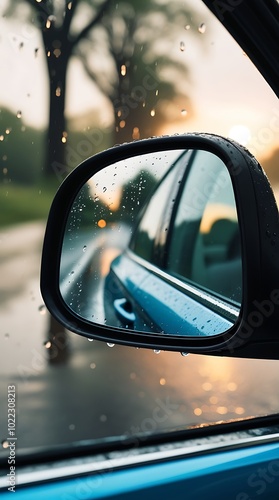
x: 184, y: 254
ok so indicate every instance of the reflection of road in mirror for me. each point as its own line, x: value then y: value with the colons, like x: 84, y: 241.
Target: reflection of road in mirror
x: 84, y: 266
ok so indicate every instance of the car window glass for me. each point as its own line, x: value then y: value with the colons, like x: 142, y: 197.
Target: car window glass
x: 180, y: 71
x: 204, y: 238
x: 149, y: 228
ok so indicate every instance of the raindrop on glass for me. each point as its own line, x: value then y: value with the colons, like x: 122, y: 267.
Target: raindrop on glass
x: 92, y: 366
x: 5, y: 444
x: 72, y: 427
x: 157, y: 351
x: 202, y: 28
x: 90, y: 340
x: 110, y: 345
x: 187, y: 27
x: 84, y: 248
x: 183, y: 112
x: 19, y: 114
x: 182, y: 46
x: 184, y: 354
x: 47, y: 344
x: 123, y: 70
x: 42, y: 309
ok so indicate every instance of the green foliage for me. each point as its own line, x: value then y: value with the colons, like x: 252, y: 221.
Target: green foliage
x: 131, y: 51
x: 134, y: 194
x: 143, y: 71
x: 22, y: 204
x: 22, y: 150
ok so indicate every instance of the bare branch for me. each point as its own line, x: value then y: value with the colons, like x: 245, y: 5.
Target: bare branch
x: 93, y: 23
x: 69, y: 16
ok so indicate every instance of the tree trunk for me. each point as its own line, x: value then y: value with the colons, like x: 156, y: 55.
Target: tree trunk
x: 55, y: 164
x: 57, y: 134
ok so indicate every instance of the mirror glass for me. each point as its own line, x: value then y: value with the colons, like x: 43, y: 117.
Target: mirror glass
x: 152, y: 244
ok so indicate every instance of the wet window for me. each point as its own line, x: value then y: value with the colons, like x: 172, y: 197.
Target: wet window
x: 71, y: 87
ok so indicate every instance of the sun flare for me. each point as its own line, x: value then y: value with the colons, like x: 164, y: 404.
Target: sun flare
x: 240, y: 133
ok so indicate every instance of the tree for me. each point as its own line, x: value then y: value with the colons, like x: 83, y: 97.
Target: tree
x: 143, y: 70
x: 54, y: 20
x: 129, y: 66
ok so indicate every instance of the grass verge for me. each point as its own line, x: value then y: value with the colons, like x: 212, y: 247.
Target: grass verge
x: 20, y: 204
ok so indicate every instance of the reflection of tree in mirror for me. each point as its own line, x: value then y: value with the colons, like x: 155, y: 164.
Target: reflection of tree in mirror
x: 87, y: 211
x: 90, y: 210
x: 134, y: 194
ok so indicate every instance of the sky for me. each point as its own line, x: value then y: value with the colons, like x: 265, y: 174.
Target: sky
x: 229, y: 96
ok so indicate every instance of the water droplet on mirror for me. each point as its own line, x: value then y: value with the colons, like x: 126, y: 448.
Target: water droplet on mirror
x: 202, y: 28
x: 182, y: 46
x: 123, y: 70
x: 42, y: 309
x: 110, y: 345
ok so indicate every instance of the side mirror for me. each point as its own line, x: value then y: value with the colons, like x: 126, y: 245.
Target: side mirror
x: 167, y: 243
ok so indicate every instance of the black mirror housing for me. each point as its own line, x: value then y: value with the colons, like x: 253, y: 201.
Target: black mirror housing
x: 254, y: 332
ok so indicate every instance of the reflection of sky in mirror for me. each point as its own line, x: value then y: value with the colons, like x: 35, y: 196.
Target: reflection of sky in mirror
x: 107, y: 184
x: 208, y: 182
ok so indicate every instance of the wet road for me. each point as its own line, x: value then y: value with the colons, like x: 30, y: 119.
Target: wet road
x: 101, y: 391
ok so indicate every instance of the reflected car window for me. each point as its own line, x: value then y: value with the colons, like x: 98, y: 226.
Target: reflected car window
x: 204, y: 243
x: 148, y: 232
